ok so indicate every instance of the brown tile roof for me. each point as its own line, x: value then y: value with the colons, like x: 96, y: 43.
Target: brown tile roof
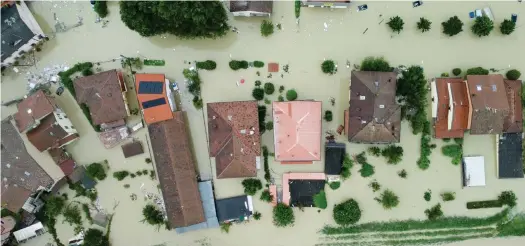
x: 132, y: 149
x: 102, y: 93
x: 374, y: 116
x: 14, y: 197
x: 514, y: 121
x: 67, y: 166
x: 48, y: 134
x: 234, y: 138
x: 40, y: 106
x: 452, y: 120
x: 489, y: 103
x: 273, y: 67
x: 175, y: 165
x: 59, y: 155
x: 157, y: 113
x: 256, y: 6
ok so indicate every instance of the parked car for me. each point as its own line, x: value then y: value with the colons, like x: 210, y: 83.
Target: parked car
x: 362, y: 7
x: 417, y: 3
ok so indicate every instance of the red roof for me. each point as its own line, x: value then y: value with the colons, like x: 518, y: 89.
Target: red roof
x: 34, y: 107
x: 453, y: 108
x: 67, y: 166
x: 297, y: 131
x: 49, y: 134
x: 157, y: 113
x: 514, y: 121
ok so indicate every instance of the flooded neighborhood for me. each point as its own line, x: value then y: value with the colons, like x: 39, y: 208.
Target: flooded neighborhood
x: 302, y: 123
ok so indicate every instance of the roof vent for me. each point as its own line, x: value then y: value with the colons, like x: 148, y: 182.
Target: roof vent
x: 27, y: 173
x: 478, y: 87
x: 230, y: 117
x: 377, y: 83
x: 363, y: 122
x: 494, y: 88
x: 243, y: 131
x: 381, y: 106
x: 362, y: 98
x: 252, y: 132
x: 8, y: 165
x: 214, y: 117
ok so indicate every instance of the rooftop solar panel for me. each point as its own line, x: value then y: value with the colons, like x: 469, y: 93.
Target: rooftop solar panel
x: 150, y: 87
x: 153, y: 103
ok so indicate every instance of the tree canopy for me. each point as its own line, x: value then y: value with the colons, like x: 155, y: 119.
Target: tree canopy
x: 283, y: 215
x: 482, y: 26
x: 507, y: 27
x: 184, y: 19
x: 412, y: 88
x: 347, y: 213
x: 396, y: 24
x: 95, y: 237
x: 452, y: 26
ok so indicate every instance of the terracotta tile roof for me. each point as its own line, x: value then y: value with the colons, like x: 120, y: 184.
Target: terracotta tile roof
x: 40, y: 106
x: 257, y: 6
x: 102, y: 93
x: 157, y: 113
x: 297, y: 130
x: 132, y: 149
x: 14, y: 197
x: 67, y: 166
x: 452, y: 119
x: 59, y: 155
x: 273, y: 67
x: 489, y: 103
x: 175, y: 166
x: 234, y: 138
x: 49, y: 134
x: 374, y: 116
x: 514, y: 121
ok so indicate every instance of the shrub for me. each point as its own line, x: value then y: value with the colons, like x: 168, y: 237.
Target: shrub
x: 126, y: 186
x: 281, y: 89
x: 206, y: 65
x: 261, y: 112
x: 258, y: 94
x: 477, y: 71
x: 72, y: 215
x: 484, y: 204
x: 320, y: 200
x: 101, y: 8
x: 328, y: 115
x: 257, y: 216
x: 508, y: 198
x: 378, y: 64
x: 347, y: 165
x: 257, y: 83
x: 280, y: 98
x: 87, y: 72
x: 225, y: 227
x: 269, y: 125
x: 403, y: 174
x: 374, y: 150
x: 334, y: 185
x: 448, y: 196
x: 266, y: 196
x: 159, y: 63
x: 251, y: 186
x: 393, y: 154
x: 444, y: 75
x: 236, y: 65
x: 452, y: 26
x: 266, y: 28
x: 507, y: 27
x: 197, y: 102
x: 152, y: 215
x: 374, y: 185
x: 451, y: 150
x: 120, y: 175
x: 266, y: 166
x: 483, y: 25
x: 388, y: 199
x: 96, y: 170
x: 446, y: 140
x: 258, y: 64
x: 427, y: 195
x: 328, y: 67
x: 148, y: 160
x: 96, y: 237
x: 423, y: 24
x: 269, y: 88
x: 434, y: 212
x: 283, y: 215
x: 513, y: 74
x: 361, y: 158
x: 412, y: 92
x: 396, y: 24
x: 456, y: 71
x: 132, y: 175
x: 347, y: 213
x: 458, y: 140
x: 291, y: 95
x: 366, y: 170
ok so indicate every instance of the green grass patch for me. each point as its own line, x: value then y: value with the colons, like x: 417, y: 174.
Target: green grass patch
x: 414, y: 241
x: 441, y: 233
x: 515, y: 227
x: 148, y: 62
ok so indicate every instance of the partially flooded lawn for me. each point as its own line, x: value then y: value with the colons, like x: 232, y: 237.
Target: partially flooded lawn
x: 303, y: 48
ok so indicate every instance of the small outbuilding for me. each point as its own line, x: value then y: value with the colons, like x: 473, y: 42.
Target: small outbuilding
x: 510, y: 160
x: 334, y: 155
x: 234, y: 208
x: 132, y: 149
x: 251, y: 8
x: 473, y: 171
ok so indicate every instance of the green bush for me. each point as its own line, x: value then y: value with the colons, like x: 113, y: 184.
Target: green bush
x: 428, y: 195
x: 280, y: 98
x: 266, y: 196
x: 425, y: 147
x: 269, y: 88
x: 283, y: 215
x: 257, y: 216
x: 291, y: 95
x: 320, y: 200
x: 366, y: 170
x: 87, y: 72
x: 484, y: 204
x: 378, y: 64
x: 266, y: 166
x: 206, y: 65
x: 152, y: 215
x: 269, y: 125
x: 347, y: 165
x: 281, y: 89
x: 477, y: 71
x: 451, y: 150
x: 266, y: 28
x: 448, y: 196
x: 328, y: 115
x: 160, y: 63
x: 95, y: 237
x: 251, y: 186
x: 258, y: 64
x: 96, y: 170
x: 423, y: 24
x: 507, y: 27
x: 434, y: 212
x: 374, y: 185
x: 393, y: 154
x: 334, y: 185
x: 374, y: 150
x: 456, y: 71
x: 328, y: 67
x: 101, y: 8
x: 361, y: 158
x: 261, y: 112
x: 513, y: 74
x: 452, y: 26
x: 388, y: 199
x: 236, y: 65
x: 347, y: 213
x: 444, y: 75
x: 225, y: 227
x: 403, y: 173
x: 508, y: 198
x: 396, y: 24
x: 197, y: 102
x: 483, y: 25
x: 120, y: 175
x: 258, y: 94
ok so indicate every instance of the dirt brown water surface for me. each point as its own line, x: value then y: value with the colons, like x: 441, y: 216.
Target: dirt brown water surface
x: 303, y: 47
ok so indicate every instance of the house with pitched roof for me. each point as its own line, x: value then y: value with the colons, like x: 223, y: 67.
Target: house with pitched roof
x: 451, y: 107
x: 233, y: 129
x: 251, y: 8
x: 373, y: 116
x: 336, y: 4
x: 152, y: 96
x: 44, y: 122
x: 297, y: 131
x: 105, y: 95
x: 490, y: 106
x: 175, y: 165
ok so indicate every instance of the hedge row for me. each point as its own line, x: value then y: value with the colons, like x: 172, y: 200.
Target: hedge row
x: 484, y: 204
x: 266, y: 166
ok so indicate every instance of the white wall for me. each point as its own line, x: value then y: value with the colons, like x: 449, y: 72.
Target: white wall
x: 64, y: 122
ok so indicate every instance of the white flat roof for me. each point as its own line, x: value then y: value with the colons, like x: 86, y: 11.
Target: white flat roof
x: 28, y: 232
x: 474, y: 170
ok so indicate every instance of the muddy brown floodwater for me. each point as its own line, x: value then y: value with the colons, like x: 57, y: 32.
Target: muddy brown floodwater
x: 303, y: 47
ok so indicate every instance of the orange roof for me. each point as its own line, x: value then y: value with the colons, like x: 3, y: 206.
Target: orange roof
x: 453, y: 108
x: 160, y: 112
x: 297, y: 130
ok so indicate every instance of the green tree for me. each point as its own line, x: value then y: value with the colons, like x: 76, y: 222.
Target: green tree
x: 95, y: 237
x: 96, y: 170
x: 366, y: 170
x: 374, y: 150
x: 320, y: 200
x: 452, y: 26
x: 378, y: 64
x: 283, y: 215
x: 434, y: 212
x: 388, y: 199
x: 393, y: 154
x: 269, y: 125
x: 258, y: 94
x: 508, y: 198
x: 448, y: 196
x: 396, y: 24
x: 477, y: 71
x: 152, y: 215
x: 261, y: 112
x: 334, y: 185
x: 513, y: 74
x: 328, y: 115
x: 251, y: 186
x: 184, y: 19
x: 72, y: 215
x: 412, y: 90
x: 375, y: 185
x: 428, y: 195
x: 291, y: 95
x: 423, y: 24
x: 456, y: 71
x: 482, y: 26
x: 269, y: 88
x: 347, y: 213
x: 347, y: 165
x: 266, y: 196
x: 101, y: 8
x: 328, y: 67
x: 266, y: 28
x: 257, y: 216
x: 54, y: 206
x: 452, y: 150
x: 507, y: 27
